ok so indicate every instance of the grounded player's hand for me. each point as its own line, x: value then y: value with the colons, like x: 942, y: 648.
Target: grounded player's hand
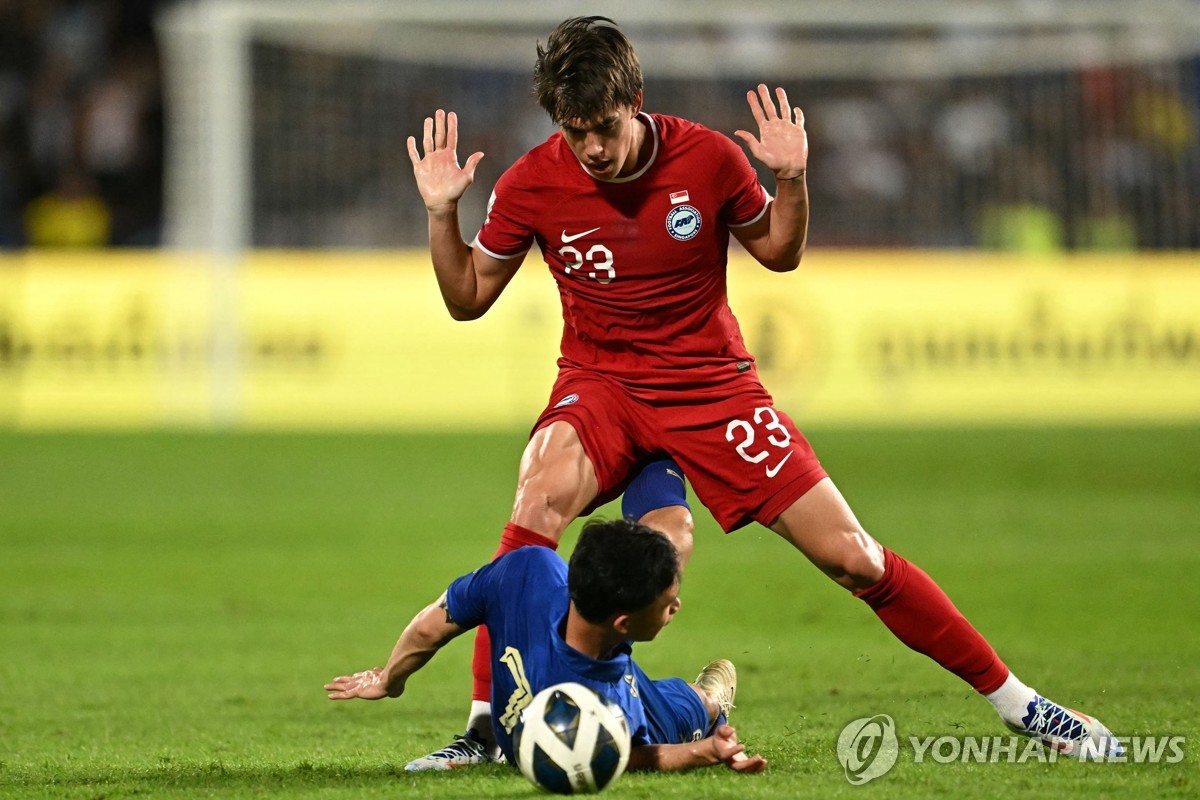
x: 782, y: 143
x: 366, y: 685
x: 732, y: 754
x: 440, y: 179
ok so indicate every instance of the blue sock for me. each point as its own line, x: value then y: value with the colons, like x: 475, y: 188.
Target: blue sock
x: 659, y: 485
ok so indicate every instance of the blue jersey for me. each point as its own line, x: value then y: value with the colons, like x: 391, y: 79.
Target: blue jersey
x: 522, y: 598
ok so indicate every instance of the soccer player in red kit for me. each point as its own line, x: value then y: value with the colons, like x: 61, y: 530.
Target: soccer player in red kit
x: 632, y: 212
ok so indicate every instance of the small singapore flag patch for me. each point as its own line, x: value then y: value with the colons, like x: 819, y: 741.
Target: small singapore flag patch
x: 679, y: 197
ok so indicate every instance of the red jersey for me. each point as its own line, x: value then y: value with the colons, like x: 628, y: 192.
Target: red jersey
x: 640, y: 261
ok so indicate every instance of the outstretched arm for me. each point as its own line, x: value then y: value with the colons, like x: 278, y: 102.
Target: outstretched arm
x: 470, y: 280
x: 428, y: 632
x: 777, y: 240
x: 720, y: 748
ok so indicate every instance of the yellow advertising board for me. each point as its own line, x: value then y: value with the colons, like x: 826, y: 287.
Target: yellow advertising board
x: 361, y: 340
x: 101, y: 339
x: 966, y: 337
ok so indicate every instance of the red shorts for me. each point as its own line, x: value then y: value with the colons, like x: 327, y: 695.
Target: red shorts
x: 746, y: 460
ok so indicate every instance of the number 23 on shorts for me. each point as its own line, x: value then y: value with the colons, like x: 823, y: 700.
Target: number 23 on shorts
x: 746, y: 434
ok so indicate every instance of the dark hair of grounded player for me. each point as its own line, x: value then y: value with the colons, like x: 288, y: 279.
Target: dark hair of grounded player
x: 619, y: 566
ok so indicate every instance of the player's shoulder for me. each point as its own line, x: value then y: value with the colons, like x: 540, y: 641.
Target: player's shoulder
x: 680, y: 129
x: 678, y: 126
x: 534, y: 560
x: 537, y: 164
x: 529, y: 574
x: 693, y: 139
x: 536, y: 575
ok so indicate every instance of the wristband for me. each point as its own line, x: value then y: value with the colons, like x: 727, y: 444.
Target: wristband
x: 793, y: 178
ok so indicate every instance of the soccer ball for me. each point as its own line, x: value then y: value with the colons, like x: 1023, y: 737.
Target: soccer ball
x: 570, y: 740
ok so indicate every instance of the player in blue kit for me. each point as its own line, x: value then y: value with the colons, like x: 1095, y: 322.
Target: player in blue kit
x: 551, y: 623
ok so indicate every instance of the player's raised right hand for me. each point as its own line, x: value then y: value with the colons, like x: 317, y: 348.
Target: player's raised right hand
x: 440, y: 179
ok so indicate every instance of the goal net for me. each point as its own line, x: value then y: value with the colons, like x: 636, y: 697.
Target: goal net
x: 1012, y: 125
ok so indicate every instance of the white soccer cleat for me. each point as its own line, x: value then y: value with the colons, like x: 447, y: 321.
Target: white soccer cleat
x: 467, y: 750
x: 719, y: 680
x: 1068, y: 731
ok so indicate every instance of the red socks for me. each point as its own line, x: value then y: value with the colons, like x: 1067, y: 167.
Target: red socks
x: 514, y: 538
x: 920, y: 614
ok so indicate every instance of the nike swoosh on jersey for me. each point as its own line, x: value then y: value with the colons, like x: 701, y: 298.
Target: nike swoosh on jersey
x: 566, y: 238
x: 773, y: 471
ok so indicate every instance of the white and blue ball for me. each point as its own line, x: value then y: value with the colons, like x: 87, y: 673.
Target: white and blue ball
x: 571, y: 740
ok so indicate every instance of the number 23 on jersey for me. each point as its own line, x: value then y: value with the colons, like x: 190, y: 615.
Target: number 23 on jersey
x: 594, y: 264
x: 745, y: 433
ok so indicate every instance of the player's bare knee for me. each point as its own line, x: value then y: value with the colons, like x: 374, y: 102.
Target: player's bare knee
x: 858, y: 563
x: 676, y: 523
x: 682, y: 539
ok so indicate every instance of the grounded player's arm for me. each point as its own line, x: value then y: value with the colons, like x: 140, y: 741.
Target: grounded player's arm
x: 470, y: 280
x: 777, y: 240
x: 720, y: 748
x: 428, y: 632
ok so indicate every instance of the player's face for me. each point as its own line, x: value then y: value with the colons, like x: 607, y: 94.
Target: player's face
x: 607, y: 145
x: 644, y: 625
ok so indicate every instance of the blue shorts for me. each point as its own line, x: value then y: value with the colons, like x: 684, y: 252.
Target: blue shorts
x: 675, y: 714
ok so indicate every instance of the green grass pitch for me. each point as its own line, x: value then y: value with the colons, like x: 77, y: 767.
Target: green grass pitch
x: 171, y: 603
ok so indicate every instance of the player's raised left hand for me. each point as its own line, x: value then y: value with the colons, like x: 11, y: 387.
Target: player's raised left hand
x: 732, y: 754
x: 366, y: 685
x: 781, y: 144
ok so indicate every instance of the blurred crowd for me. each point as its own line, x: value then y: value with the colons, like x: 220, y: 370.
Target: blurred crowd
x: 81, y: 134
x: 1098, y: 159
x: 1089, y: 159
